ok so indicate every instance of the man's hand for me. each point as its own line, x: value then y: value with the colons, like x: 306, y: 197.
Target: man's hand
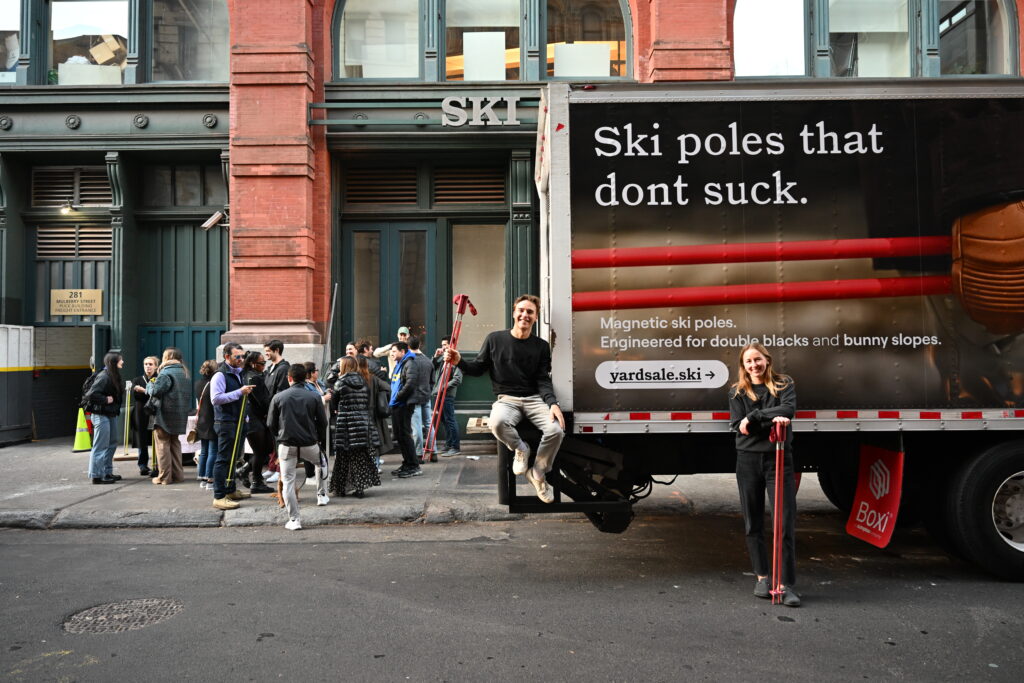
x: 247, y: 389
x: 781, y: 420
x: 556, y: 416
x: 744, y: 426
x: 452, y: 356
x: 110, y: 399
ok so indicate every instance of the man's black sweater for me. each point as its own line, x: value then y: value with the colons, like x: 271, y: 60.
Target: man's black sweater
x: 517, y: 367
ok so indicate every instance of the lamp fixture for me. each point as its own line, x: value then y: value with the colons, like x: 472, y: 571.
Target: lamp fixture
x: 66, y: 208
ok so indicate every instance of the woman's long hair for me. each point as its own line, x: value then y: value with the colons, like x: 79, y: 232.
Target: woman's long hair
x: 172, y: 355
x: 348, y: 364
x: 110, y: 362
x: 773, y: 380
x: 363, y: 368
x: 209, y: 368
x: 248, y: 365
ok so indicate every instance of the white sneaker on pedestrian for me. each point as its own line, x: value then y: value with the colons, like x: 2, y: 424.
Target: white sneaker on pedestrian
x: 322, y: 500
x: 541, y: 487
x: 293, y: 525
x: 521, y: 459
x: 202, y: 484
x: 272, y: 477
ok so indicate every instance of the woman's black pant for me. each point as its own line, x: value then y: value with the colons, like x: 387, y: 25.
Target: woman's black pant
x: 755, y: 473
x: 262, y: 443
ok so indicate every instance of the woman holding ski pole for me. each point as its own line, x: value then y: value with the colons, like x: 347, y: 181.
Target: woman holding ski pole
x: 759, y: 401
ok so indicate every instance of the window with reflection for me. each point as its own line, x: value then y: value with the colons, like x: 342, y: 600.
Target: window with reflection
x: 190, y: 40
x: 88, y: 42
x: 769, y: 38
x: 585, y: 39
x: 482, y: 40
x: 478, y: 269
x: 379, y: 39
x: 869, y: 37
x: 10, y: 39
x: 973, y: 38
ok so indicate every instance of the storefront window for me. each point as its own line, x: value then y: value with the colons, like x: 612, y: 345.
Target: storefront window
x: 586, y: 38
x: 478, y: 269
x: 10, y: 43
x: 482, y: 40
x: 88, y: 42
x: 973, y: 38
x: 869, y: 38
x: 769, y: 38
x: 190, y: 40
x: 379, y: 39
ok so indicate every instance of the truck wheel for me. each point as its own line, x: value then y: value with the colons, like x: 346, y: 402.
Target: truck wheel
x: 987, y: 507
x: 611, y: 522
x: 838, y: 479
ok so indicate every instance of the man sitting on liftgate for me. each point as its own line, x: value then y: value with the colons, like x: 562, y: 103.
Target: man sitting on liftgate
x: 520, y: 368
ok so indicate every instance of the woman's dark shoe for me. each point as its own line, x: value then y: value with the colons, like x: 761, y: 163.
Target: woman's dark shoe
x: 143, y: 471
x: 260, y: 487
x: 154, y: 473
x: 104, y: 480
x: 359, y: 493
x: 790, y: 597
x: 115, y: 477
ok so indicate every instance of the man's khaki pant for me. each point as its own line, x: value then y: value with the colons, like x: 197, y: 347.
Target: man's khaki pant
x: 508, y: 411
x: 168, y: 458
x: 288, y: 458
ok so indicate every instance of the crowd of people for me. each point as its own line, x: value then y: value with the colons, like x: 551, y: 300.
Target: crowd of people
x: 286, y: 415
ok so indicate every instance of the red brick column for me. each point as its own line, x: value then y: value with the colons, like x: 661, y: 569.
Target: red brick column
x: 279, y: 225
x: 682, y: 40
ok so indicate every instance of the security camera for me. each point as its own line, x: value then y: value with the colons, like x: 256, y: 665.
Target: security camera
x: 213, y: 220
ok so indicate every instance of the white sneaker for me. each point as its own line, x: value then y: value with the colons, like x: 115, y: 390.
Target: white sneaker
x: 541, y: 487
x: 202, y: 485
x: 521, y: 459
x: 293, y: 525
x: 272, y: 477
x: 322, y: 500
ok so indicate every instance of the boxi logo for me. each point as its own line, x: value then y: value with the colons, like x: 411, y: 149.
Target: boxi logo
x: 872, y: 519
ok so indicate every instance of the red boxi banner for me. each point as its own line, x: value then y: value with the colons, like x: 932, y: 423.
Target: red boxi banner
x: 877, y: 502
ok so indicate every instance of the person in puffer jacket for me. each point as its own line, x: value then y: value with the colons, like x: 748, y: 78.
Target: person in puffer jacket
x: 173, y: 388
x: 356, y: 440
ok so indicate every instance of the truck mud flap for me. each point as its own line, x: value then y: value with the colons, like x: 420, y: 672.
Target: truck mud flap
x: 586, y: 473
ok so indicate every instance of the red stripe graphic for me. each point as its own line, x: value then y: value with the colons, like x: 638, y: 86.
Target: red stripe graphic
x: 761, y: 251
x: 889, y: 414
x: 761, y: 293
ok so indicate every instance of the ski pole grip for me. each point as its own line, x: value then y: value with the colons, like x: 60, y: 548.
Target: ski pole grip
x: 778, y: 434
x: 462, y: 302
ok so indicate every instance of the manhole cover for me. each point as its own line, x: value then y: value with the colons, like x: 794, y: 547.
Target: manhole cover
x: 128, y: 615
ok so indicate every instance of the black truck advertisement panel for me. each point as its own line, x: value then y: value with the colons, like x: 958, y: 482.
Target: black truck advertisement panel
x: 876, y: 247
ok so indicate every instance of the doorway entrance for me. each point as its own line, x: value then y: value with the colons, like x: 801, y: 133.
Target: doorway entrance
x: 391, y: 280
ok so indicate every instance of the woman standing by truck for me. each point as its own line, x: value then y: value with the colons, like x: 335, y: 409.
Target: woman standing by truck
x: 760, y: 398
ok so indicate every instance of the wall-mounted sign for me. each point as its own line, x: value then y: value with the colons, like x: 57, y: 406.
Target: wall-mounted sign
x: 76, y: 302
x: 478, y: 112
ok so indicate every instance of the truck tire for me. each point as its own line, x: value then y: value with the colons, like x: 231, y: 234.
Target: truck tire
x: 838, y: 479
x: 986, y: 510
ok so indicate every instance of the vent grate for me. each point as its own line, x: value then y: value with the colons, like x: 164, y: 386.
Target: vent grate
x: 469, y: 185
x: 380, y: 186
x: 74, y: 241
x: 52, y: 186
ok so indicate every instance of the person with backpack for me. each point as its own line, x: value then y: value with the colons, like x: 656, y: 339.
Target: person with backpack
x: 102, y: 394
x: 173, y: 392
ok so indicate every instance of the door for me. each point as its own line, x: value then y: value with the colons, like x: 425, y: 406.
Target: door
x: 197, y: 343
x: 391, y: 281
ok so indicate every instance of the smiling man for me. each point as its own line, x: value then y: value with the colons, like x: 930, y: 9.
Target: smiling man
x: 519, y: 365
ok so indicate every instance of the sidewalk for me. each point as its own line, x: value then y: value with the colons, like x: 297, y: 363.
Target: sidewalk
x: 45, y: 486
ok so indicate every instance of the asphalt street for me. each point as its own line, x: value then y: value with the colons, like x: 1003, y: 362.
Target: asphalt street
x: 523, y: 600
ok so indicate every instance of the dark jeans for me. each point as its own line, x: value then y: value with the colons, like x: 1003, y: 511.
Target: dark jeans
x: 262, y: 444
x: 401, y: 420
x: 225, y: 442
x: 755, y: 472
x: 451, y: 427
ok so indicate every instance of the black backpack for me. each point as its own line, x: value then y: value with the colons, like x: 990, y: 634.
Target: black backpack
x: 83, y: 401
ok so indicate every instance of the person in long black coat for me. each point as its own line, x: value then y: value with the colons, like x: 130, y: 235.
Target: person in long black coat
x: 356, y: 440
x: 142, y: 434
x: 257, y: 434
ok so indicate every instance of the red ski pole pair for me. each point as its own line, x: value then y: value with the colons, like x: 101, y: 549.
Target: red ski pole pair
x: 778, y: 437
x: 461, y: 302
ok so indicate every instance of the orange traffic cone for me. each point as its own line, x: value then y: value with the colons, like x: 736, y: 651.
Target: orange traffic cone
x: 83, y: 442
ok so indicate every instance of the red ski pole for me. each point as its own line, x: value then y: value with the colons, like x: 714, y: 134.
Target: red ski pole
x: 778, y: 436
x: 461, y: 302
